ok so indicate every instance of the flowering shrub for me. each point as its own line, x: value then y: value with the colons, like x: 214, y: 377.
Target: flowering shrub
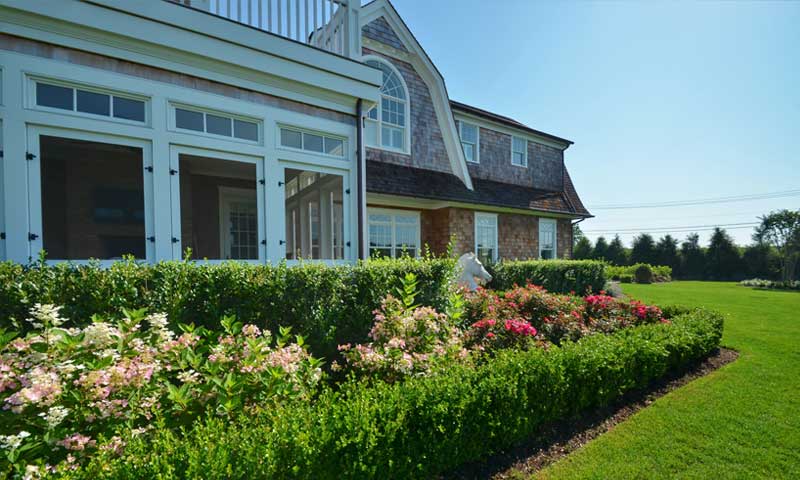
x: 550, y: 317
x: 65, y: 392
x: 406, y: 339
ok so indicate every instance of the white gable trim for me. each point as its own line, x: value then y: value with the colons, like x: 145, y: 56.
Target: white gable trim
x: 432, y: 78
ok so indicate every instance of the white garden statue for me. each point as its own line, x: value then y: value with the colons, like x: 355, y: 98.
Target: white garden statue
x: 471, y: 269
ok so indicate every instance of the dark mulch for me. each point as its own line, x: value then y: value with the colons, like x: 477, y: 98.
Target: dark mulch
x: 561, y: 438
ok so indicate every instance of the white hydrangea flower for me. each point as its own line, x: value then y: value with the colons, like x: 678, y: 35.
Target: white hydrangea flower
x: 100, y: 334
x: 54, y: 416
x: 45, y: 314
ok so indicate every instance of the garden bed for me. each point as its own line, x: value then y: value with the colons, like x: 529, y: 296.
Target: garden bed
x: 559, y: 439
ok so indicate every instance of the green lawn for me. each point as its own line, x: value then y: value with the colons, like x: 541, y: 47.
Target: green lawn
x: 742, y: 421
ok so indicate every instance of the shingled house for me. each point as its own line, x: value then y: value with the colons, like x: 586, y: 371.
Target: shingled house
x: 256, y: 130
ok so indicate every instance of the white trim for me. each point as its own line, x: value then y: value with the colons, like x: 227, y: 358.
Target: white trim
x: 476, y: 153
x: 34, y: 184
x: 493, y: 217
x: 379, y: 108
x: 433, y: 80
x: 524, y: 163
x: 393, y: 213
x: 2, y: 186
x: 554, y: 223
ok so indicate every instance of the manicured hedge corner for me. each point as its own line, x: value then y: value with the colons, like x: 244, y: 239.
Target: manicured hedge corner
x: 329, y: 305
x: 557, y: 276
x: 423, y: 426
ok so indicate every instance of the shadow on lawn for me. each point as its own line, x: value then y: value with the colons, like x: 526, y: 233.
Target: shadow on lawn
x: 561, y: 438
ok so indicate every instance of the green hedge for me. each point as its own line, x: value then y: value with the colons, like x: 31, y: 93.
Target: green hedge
x: 626, y: 274
x: 327, y: 304
x: 426, y: 425
x: 558, y: 276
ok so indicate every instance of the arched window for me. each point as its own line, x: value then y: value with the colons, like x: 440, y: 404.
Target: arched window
x: 387, y: 123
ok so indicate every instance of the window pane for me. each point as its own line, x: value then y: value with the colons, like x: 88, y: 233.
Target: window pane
x: 129, y: 109
x: 469, y: 133
x: 469, y: 151
x: 291, y: 138
x: 380, y: 218
x: 218, y: 125
x: 96, y: 103
x: 189, y: 120
x: 219, y: 208
x: 245, y: 130
x: 371, y: 133
x: 334, y: 146
x: 92, y: 200
x: 519, y: 158
x: 312, y: 142
x: 54, y: 96
x: 373, y: 113
x: 319, y: 217
x: 397, y: 138
x: 519, y: 144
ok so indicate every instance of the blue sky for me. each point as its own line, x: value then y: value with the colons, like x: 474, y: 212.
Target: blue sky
x: 664, y: 101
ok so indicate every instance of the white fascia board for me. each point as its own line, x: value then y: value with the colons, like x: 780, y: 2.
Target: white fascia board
x: 398, y: 201
x: 508, y: 130
x: 433, y: 80
x: 110, y: 32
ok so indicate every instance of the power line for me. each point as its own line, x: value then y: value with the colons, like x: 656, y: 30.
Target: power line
x: 704, y: 201
x: 682, y: 228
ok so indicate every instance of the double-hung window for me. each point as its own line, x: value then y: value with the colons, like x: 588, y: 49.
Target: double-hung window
x: 486, y: 237
x: 469, y: 141
x: 547, y: 238
x: 519, y: 151
x: 387, y: 123
x: 394, y: 233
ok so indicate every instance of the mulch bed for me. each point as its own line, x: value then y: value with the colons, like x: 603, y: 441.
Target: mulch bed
x: 561, y: 438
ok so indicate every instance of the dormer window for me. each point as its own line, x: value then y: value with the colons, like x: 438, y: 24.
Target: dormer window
x: 519, y: 151
x: 469, y: 141
x: 387, y: 123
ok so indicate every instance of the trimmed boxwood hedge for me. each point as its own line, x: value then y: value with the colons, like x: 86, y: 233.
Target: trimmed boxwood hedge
x: 558, y: 276
x: 426, y: 425
x: 329, y: 305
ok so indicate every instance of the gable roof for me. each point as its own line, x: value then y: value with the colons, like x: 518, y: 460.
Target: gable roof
x: 479, y: 112
x: 387, y: 178
x: 432, y: 77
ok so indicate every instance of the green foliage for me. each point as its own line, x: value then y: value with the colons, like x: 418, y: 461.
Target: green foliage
x: 582, y: 249
x: 600, y: 249
x: 781, y: 230
x: 723, y: 260
x: 660, y: 273
x: 557, y: 276
x: 617, y: 254
x: 643, y: 274
x: 667, y: 253
x: 692, y: 258
x: 644, y: 250
x: 328, y: 305
x: 425, y: 425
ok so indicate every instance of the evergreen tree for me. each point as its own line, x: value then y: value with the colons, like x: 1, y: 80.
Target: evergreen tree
x: 577, y: 234
x: 761, y: 261
x: 616, y: 253
x: 667, y: 254
x: 582, y: 249
x: 644, y: 250
x: 723, y: 260
x: 600, y: 249
x: 693, y: 263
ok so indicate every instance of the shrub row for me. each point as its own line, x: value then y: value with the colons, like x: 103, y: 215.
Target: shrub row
x: 557, y: 276
x: 329, y: 305
x: 628, y: 274
x: 425, y: 425
x: 771, y: 284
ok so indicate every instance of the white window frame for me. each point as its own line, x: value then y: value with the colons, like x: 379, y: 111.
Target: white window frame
x: 525, y: 142
x: 393, y: 213
x: 35, y: 221
x: 30, y: 87
x: 554, y: 223
x: 379, y: 108
x: 175, y: 192
x: 173, y: 105
x: 227, y: 195
x: 301, y: 131
x: 476, y: 152
x: 493, y: 218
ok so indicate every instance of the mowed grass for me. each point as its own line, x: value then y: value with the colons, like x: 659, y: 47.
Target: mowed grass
x: 742, y: 421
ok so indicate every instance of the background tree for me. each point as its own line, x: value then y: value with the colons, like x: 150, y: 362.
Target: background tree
x: 582, y: 249
x: 761, y: 261
x: 600, y: 249
x: 644, y: 249
x: 723, y: 260
x: 781, y: 229
x: 616, y: 253
x: 692, y: 258
x: 667, y: 253
x: 577, y: 234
